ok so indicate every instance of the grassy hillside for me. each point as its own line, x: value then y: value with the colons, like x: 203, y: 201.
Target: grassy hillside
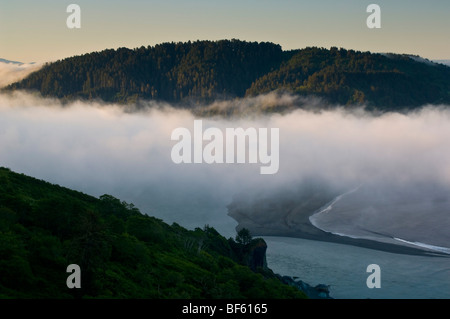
x: 122, y: 253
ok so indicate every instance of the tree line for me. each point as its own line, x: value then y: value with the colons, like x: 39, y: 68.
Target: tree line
x: 203, y: 71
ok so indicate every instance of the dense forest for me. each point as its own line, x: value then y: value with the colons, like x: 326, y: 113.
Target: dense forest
x: 169, y: 71
x: 204, y: 71
x: 122, y: 253
x: 347, y: 77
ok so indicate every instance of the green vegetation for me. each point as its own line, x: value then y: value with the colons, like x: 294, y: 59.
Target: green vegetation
x: 122, y: 252
x: 207, y: 70
x: 243, y: 237
x: 347, y: 77
x: 169, y: 71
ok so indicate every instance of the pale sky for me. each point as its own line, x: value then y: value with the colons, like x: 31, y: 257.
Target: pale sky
x: 36, y: 30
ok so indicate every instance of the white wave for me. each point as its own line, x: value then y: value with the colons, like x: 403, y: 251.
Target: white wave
x: 327, y: 208
x: 423, y: 245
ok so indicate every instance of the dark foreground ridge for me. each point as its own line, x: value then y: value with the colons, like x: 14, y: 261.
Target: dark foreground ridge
x: 204, y: 71
x: 122, y: 253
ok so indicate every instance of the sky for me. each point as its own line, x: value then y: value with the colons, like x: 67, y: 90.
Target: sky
x: 36, y: 31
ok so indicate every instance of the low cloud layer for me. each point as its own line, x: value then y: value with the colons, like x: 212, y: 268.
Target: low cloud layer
x: 11, y: 72
x: 100, y: 149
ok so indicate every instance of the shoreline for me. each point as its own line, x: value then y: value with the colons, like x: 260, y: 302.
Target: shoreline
x: 320, y: 235
x: 302, y: 227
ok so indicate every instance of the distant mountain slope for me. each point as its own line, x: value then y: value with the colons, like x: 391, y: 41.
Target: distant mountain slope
x: 446, y: 62
x: 207, y: 70
x: 121, y: 252
x: 10, y: 62
x: 384, y: 81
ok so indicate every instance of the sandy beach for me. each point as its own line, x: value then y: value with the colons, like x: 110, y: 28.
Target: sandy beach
x: 263, y: 219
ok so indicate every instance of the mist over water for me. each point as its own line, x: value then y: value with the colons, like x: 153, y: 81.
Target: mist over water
x: 398, y: 162
x: 392, y: 172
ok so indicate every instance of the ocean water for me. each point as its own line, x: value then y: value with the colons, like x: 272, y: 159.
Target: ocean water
x: 413, y: 218
x: 416, y: 216
x: 393, y: 170
x: 344, y: 269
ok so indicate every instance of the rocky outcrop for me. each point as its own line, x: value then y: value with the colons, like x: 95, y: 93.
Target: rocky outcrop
x: 320, y: 291
x: 256, y: 256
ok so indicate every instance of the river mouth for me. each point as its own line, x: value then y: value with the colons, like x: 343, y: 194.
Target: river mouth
x: 401, y: 222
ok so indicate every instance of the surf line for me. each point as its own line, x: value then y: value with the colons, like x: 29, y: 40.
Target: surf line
x: 327, y: 207
x: 440, y: 249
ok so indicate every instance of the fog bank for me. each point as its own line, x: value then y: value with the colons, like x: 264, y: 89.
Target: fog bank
x: 98, y: 148
x: 11, y: 72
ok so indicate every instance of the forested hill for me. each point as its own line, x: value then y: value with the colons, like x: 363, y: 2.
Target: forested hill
x: 207, y: 70
x: 122, y: 253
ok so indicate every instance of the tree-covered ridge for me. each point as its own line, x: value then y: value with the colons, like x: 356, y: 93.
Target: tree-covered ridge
x: 207, y: 70
x: 386, y: 81
x: 169, y: 71
x: 122, y: 253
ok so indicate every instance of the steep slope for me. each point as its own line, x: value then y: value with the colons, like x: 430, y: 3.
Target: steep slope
x: 122, y: 253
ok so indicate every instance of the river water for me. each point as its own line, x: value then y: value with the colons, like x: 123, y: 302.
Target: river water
x: 344, y: 269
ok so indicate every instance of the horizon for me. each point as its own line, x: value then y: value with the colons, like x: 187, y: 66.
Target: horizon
x: 40, y: 34
x: 16, y: 61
